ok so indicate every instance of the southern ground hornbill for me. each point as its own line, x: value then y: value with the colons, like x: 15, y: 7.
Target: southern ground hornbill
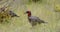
x: 33, y: 20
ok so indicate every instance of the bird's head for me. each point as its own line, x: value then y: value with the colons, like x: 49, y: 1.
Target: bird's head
x: 28, y: 12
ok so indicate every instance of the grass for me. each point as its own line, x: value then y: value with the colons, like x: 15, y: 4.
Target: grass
x: 44, y: 11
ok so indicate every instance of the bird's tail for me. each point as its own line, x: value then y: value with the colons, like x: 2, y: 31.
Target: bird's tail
x: 42, y: 22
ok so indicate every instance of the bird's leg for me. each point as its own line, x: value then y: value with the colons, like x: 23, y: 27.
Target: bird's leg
x: 33, y: 24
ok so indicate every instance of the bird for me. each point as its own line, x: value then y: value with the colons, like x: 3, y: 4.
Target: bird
x: 33, y: 20
x: 12, y: 14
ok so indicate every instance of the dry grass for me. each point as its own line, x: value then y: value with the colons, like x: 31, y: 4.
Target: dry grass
x: 44, y: 11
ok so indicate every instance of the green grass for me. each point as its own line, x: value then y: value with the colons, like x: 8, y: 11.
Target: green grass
x: 44, y: 11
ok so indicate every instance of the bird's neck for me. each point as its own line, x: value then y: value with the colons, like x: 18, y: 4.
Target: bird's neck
x: 29, y: 14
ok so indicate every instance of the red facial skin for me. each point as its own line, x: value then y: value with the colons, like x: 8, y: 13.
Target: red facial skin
x: 29, y: 13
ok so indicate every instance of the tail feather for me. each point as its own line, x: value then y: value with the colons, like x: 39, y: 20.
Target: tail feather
x: 42, y: 22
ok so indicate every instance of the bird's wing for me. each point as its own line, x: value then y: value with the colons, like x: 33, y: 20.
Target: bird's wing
x: 36, y: 19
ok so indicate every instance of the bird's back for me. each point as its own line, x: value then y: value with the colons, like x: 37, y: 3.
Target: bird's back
x: 36, y: 19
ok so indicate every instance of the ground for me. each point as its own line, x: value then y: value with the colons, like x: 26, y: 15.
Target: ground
x: 44, y: 11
